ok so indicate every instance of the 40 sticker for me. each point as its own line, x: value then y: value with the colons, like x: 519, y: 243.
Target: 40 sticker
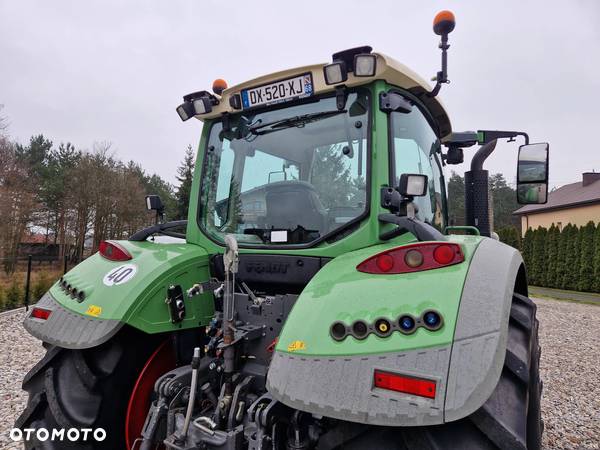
x: 120, y: 275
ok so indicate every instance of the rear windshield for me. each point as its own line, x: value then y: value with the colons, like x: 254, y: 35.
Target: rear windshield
x: 288, y: 176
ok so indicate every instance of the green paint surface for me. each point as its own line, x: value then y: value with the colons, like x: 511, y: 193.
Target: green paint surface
x: 341, y: 293
x: 140, y: 301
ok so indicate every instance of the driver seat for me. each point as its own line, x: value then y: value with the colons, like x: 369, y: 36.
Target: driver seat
x: 293, y: 203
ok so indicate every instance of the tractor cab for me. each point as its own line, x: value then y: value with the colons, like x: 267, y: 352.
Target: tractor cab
x: 299, y: 158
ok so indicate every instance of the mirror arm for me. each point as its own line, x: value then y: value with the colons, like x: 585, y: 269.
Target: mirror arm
x: 485, y: 136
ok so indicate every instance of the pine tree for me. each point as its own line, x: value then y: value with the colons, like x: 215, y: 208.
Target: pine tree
x: 526, y: 250
x: 586, y: 259
x: 552, y: 255
x: 510, y: 236
x: 563, y: 249
x: 596, y: 267
x: 185, y: 174
x: 517, y: 238
x: 571, y: 274
x: 456, y: 199
x: 539, y: 257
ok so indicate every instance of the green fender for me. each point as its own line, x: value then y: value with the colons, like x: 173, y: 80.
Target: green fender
x: 341, y: 293
x: 136, y: 299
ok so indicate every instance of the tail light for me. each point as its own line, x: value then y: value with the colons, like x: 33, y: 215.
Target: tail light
x: 114, y: 251
x: 404, y: 384
x: 413, y: 258
x: 40, y: 313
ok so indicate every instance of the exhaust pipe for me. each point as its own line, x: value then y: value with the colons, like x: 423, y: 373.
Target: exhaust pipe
x: 478, y: 202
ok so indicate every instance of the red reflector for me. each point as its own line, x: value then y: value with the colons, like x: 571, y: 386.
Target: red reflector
x: 40, y: 313
x: 413, y: 258
x: 443, y: 254
x: 385, y: 263
x: 404, y: 384
x: 114, y: 251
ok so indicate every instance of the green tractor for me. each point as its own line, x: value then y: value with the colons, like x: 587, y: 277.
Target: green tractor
x: 318, y: 298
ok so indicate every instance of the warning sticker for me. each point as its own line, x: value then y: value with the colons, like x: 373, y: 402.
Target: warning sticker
x: 296, y: 345
x: 94, y: 310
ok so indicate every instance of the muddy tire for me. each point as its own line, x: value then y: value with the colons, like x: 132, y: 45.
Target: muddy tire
x: 85, y: 389
x: 509, y: 419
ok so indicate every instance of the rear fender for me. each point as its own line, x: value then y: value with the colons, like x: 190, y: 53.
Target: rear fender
x: 137, y: 299
x: 479, y: 347
x: 313, y: 372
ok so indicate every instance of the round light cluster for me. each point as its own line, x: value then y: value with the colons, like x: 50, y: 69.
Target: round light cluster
x: 71, y: 290
x: 406, y: 324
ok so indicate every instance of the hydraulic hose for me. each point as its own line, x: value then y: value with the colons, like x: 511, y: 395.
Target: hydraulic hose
x: 192, y: 399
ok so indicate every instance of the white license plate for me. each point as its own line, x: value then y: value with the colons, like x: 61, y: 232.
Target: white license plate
x: 280, y: 91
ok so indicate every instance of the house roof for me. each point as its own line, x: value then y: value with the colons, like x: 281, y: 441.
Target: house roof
x: 567, y: 196
x: 33, y: 239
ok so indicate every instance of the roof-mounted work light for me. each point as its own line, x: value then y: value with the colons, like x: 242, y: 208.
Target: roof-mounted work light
x: 202, y: 105
x: 365, y: 65
x: 335, y: 72
x: 196, y: 103
x: 358, y: 60
x: 185, y: 110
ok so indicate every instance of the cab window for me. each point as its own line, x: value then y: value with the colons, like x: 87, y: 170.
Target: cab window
x: 415, y: 149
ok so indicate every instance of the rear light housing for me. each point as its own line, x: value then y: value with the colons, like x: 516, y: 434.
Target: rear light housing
x: 404, y: 384
x: 405, y: 259
x: 40, y: 313
x: 114, y: 251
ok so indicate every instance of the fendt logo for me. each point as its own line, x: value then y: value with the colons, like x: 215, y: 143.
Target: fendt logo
x: 261, y: 267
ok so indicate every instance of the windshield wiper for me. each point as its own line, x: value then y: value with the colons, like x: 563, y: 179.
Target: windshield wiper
x: 295, y: 121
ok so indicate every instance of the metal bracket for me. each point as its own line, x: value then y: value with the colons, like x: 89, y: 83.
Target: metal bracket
x: 176, y: 304
x: 340, y: 97
x: 394, y: 102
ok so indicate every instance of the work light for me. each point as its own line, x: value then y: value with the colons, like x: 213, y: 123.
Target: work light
x: 413, y: 185
x: 202, y: 105
x: 335, y: 72
x: 365, y: 65
x: 185, y: 111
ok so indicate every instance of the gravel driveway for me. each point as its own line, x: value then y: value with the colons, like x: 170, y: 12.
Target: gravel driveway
x: 570, y: 363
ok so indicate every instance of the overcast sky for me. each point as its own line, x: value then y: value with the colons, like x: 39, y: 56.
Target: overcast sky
x: 115, y: 71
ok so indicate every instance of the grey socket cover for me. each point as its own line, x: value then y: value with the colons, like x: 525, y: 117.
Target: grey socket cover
x: 68, y: 329
x: 466, y: 372
x: 481, y: 331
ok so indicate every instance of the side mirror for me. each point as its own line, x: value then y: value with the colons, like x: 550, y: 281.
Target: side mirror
x: 532, y: 174
x: 412, y: 185
x: 154, y: 203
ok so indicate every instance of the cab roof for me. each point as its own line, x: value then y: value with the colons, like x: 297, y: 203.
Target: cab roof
x: 388, y: 69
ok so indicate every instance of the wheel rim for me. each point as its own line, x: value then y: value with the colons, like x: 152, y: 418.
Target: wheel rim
x: 160, y: 362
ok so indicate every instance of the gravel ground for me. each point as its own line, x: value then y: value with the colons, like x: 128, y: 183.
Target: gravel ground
x: 569, y: 335
x: 19, y: 351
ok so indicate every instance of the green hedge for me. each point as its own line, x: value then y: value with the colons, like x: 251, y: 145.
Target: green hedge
x: 561, y: 259
x: 13, y: 295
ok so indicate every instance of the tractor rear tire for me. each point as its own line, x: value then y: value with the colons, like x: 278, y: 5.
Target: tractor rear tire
x: 85, y: 389
x: 509, y: 419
